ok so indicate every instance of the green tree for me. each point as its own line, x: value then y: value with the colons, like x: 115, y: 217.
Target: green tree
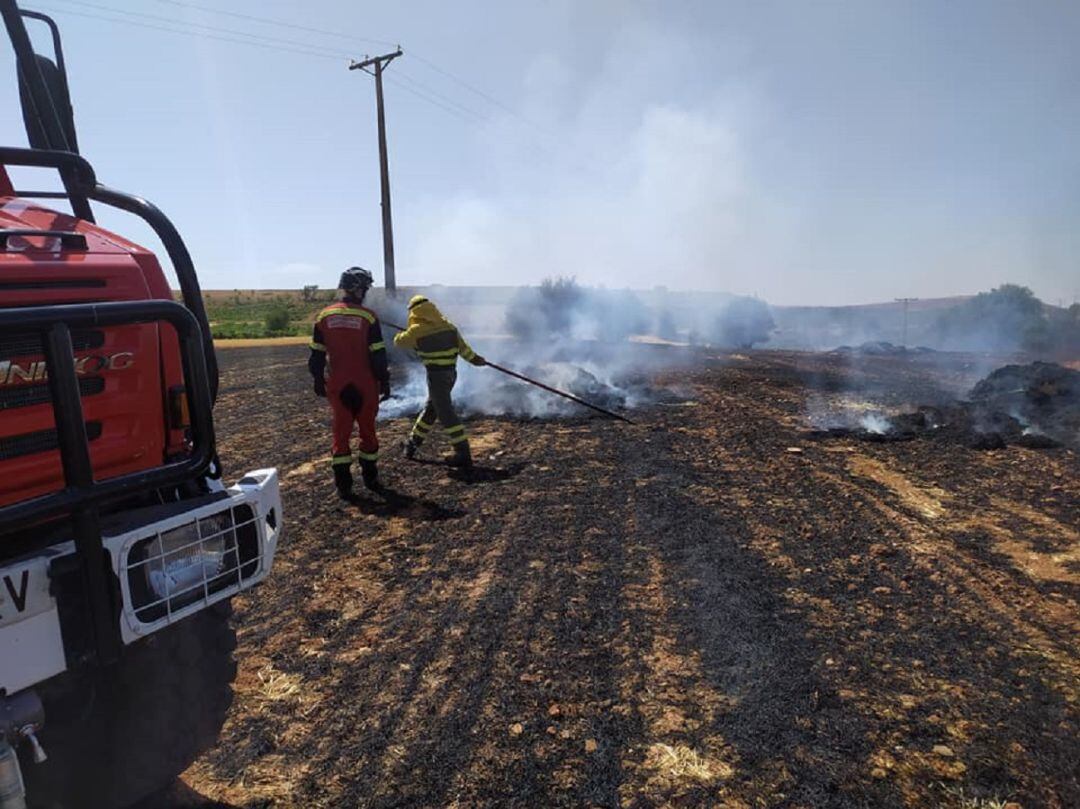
x: 1064, y: 328
x: 1007, y: 318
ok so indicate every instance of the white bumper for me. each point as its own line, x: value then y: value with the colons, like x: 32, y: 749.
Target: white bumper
x: 246, y: 524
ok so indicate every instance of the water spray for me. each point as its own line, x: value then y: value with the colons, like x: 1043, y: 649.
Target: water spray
x: 541, y: 385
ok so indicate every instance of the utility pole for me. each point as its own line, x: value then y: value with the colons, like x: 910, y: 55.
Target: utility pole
x: 905, y: 301
x: 379, y: 63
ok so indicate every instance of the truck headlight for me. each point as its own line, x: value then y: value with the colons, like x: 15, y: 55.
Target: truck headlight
x: 190, y: 562
x: 182, y: 561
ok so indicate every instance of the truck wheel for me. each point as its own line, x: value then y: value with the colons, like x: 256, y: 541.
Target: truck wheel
x: 151, y: 716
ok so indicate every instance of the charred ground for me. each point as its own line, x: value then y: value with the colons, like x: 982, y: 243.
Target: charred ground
x: 702, y: 609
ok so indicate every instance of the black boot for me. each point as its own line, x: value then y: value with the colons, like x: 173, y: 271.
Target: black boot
x: 462, y: 456
x: 369, y: 472
x: 409, y: 448
x: 343, y: 480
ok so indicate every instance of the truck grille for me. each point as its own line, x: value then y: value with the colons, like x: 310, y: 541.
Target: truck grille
x: 16, y: 446
x: 28, y: 395
x: 30, y: 345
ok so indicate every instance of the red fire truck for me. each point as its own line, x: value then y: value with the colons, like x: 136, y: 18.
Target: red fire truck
x: 120, y: 544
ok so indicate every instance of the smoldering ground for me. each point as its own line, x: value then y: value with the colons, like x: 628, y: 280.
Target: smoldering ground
x: 591, y: 343
x: 680, y: 612
x: 948, y: 398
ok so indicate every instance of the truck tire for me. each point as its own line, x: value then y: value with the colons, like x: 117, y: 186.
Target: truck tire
x: 150, y: 717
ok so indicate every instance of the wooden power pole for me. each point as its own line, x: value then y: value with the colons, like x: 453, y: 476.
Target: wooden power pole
x: 379, y: 63
x: 905, y: 301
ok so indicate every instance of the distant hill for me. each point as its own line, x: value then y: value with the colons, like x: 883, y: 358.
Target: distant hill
x: 832, y: 326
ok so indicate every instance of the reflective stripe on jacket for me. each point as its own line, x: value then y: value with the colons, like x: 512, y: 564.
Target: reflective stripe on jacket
x: 434, y: 338
x: 342, y: 331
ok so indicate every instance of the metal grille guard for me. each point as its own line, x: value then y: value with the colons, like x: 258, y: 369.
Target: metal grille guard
x: 82, y: 496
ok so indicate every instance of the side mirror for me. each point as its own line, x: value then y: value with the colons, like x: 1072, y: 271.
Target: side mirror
x: 57, y: 86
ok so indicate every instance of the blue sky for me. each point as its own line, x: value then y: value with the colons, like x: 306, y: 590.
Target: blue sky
x: 818, y: 152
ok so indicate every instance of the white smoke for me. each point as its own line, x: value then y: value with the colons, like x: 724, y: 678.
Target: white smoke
x: 585, y: 351
x: 489, y: 392
x: 875, y: 423
x: 640, y: 186
x: 669, y: 202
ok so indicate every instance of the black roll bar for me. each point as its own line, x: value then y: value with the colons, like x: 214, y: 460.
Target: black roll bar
x: 85, y: 183
x: 80, y: 183
x: 180, y: 259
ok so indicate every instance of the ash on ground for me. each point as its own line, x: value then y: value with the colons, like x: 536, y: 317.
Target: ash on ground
x: 1035, y: 406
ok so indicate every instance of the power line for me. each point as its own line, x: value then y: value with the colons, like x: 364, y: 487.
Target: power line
x: 230, y: 35
x: 271, y: 21
x: 434, y: 102
x: 480, y: 93
x: 466, y: 110
x: 135, y: 23
x: 218, y: 29
x: 419, y: 89
x: 338, y: 34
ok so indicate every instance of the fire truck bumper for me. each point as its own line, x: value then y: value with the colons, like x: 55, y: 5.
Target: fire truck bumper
x: 169, y: 562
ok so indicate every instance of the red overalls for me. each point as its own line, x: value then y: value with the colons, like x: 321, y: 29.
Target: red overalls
x: 350, y: 336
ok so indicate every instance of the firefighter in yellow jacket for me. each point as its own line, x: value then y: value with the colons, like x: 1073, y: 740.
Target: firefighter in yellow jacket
x: 438, y: 343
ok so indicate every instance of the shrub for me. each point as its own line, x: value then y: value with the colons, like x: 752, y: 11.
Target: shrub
x: 544, y: 311
x: 559, y: 308
x: 277, y: 319
x: 743, y: 322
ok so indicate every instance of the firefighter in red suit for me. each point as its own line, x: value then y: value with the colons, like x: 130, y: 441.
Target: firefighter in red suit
x: 348, y: 335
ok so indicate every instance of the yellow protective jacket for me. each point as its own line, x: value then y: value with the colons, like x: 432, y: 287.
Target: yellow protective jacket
x: 434, y: 338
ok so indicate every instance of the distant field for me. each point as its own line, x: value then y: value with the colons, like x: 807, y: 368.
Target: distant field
x: 252, y: 342
x: 254, y: 314
x: 262, y: 313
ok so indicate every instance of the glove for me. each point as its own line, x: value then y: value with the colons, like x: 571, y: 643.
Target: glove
x: 320, y: 386
x: 479, y: 361
x: 385, y: 391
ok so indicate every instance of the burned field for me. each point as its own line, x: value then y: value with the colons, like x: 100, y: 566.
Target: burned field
x: 707, y: 608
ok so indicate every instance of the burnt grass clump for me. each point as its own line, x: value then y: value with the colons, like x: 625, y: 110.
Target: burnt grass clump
x: 1036, y: 406
x: 701, y: 609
